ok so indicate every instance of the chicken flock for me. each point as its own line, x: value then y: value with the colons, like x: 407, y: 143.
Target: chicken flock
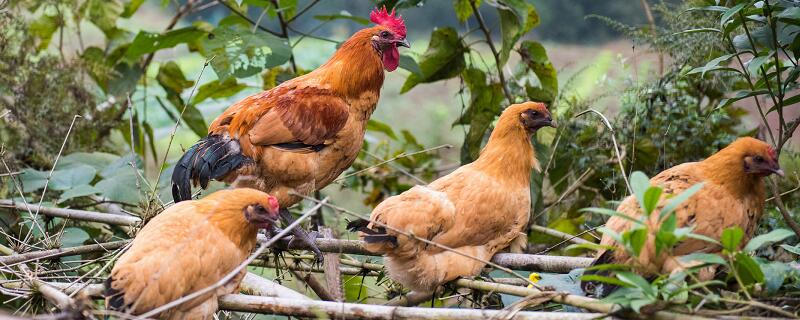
x: 276, y: 147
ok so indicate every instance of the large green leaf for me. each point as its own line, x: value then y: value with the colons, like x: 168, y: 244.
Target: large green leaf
x: 749, y: 271
x: 32, y: 179
x: 121, y: 187
x: 171, y: 78
x: 535, y: 56
x: 104, y: 14
x: 773, y: 236
x: 517, y: 17
x: 463, y: 9
x: 237, y: 51
x: 149, y: 42
x: 217, y: 90
x: 98, y: 160
x: 705, y: 258
x: 443, y: 59
x: 377, y: 126
x: 408, y: 63
x: 43, y: 28
x: 131, y: 7
x: 71, y: 177
x: 78, y: 191
x: 484, y: 105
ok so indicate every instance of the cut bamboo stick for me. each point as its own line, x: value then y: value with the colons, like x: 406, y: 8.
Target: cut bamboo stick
x: 337, y: 310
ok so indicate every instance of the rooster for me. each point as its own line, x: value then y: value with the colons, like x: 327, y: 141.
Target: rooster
x: 732, y: 194
x: 479, y: 209
x: 298, y: 137
x: 186, y: 248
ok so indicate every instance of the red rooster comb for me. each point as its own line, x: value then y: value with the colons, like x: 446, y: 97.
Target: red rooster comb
x: 386, y: 19
x: 772, y: 153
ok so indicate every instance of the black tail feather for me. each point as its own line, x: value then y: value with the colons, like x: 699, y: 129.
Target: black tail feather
x: 211, y: 158
x: 596, y: 288
x: 374, y: 235
x: 114, y: 298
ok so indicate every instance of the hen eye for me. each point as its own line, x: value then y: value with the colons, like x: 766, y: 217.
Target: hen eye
x: 385, y: 34
x: 759, y: 159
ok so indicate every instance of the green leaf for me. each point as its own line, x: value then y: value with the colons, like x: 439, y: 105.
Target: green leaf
x: 637, y: 281
x: 408, y: 63
x: 124, y: 79
x: 463, y: 9
x: 217, y: 90
x: 104, y: 14
x: 236, y: 51
x: 730, y: 12
x: 604, y: 279
x: 739, y: 96
x: 639, y: 183
x: 731, y: 237
x: 754, y: 65
x: 122, y: 164
x: 72, y: 177
x: 637, y: 238
x: 32, y: 179
x: 171, y: 78
x: 484, y: 106
x: 443, y: 59
x: 705, y: 258
x: 535, y: 57
x: 98, y: 160
x: 121, y: 187
x: 43, y: 28
x: 792, y: 249
x: 775, y: 274
x: 517, y: 17
x: 343, y: 15
x: 77, y: 192
x: 131, y: 7
x: 73, y: 237
x: 613, y: 213
x: 749, y: 271
x: 773, y: 236
x: 713, y: 65
x: 676, y: 201
x: 149, y: 42
x: 651, y: 198
x: 377, y: 126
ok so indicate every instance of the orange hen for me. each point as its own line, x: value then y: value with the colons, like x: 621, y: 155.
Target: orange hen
x: 732, y: 195
x: 299, y: 136
x: 479, y: 209
x: 186, y: 248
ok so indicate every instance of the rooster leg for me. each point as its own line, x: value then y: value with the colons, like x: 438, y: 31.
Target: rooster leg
x: 300, y: 236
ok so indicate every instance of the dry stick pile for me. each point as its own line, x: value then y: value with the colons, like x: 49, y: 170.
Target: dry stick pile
x: 273, y: 298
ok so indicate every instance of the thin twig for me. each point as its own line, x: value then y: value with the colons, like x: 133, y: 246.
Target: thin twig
x: 614, y: 140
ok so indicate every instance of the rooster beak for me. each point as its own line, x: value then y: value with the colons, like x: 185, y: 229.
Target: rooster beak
x: 403, y: 43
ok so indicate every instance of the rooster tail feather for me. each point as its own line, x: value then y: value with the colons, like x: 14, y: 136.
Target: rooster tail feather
x: 211, y: 158
x: 597, y: 288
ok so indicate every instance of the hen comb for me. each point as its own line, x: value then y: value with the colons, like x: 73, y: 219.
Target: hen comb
x: 389, y: 20
x: 772, y: 153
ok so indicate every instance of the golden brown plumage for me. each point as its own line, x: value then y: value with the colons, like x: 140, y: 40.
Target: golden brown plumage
x: 188, y: 247
x: 732, y: 195
x: 479, y: 209
x: 300, y: 135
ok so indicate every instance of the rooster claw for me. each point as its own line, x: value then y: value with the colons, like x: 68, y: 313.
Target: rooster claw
x: 302, y: 239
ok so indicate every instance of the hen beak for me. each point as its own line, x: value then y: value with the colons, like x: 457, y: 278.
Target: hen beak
x: 778, y: 172
x: 403, y: 43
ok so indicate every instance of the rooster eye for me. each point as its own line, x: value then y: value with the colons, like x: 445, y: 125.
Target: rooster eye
x: 385, y: 34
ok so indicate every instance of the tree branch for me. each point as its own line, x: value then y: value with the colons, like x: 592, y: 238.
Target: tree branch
x: 244, y: 16
x: 787, y: 216
x: 284, y: 33
x: 496, y: 55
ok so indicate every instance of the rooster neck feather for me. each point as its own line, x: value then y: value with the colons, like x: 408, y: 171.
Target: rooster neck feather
x: 508, y: 154
x: 355, y: 68
x: 725, y: 168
